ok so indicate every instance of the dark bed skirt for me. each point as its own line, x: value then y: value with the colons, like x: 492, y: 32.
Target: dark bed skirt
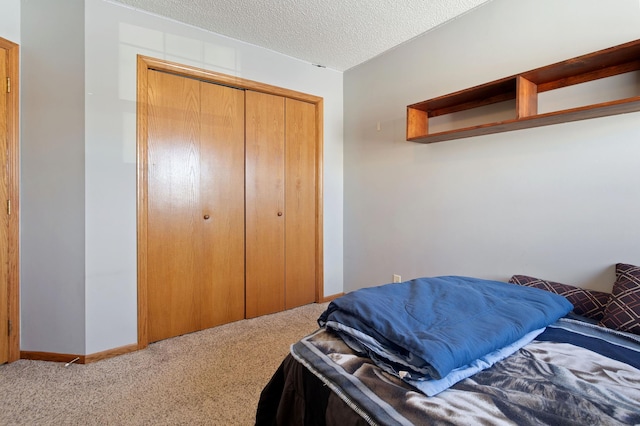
x: 295, y: 396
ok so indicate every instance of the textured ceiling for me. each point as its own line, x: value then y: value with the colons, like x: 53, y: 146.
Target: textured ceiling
x: 338, y: 34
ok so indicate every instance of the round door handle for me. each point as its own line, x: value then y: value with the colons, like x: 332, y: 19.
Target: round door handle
x: 206, y: 217
x: 279, y: 213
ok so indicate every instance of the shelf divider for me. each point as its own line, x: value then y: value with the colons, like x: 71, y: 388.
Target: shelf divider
x: 526, y: 98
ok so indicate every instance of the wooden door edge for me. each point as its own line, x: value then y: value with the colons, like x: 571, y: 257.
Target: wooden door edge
x: 13, y: 145
x: 319, y: 200
x: 141, y: 192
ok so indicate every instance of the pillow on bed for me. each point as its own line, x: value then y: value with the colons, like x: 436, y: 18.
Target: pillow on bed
x: 588, y: 303
x: 623, y: 310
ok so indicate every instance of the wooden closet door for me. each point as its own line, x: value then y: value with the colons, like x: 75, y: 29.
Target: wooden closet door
x: 174, y: 214
x: 222, y: 200
x: 4, y: 215
x: 265, y: 212
x: 194, y: 243
x: 300, y: 205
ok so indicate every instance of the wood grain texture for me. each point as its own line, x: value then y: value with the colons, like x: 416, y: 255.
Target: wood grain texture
x: 222, y: 201
x: 417, y: 123
x: 142, y: 100
x: 145, y: 64
x: 481, y: 95
x: 13, y: 167
x: 224, y: 79
x: 574, y: 114
x: 110, y: 353
x: 195, y: 246
x: 583, y: 77
x: 525, y: 87
x: 174, y: 221
x: 10, y: 125
x: 319, y: 104
x: 526, y: 99
x: 265, y: 209
x: 300, y: 203
x: 52, y: 357
x: 82, y: 359
x: 4, y: 216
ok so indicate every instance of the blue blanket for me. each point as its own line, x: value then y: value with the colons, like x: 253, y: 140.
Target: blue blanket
x: 428, y: 327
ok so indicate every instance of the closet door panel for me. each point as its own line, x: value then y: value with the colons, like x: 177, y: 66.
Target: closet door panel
x: 265, y: 214
x: 174, y: 220
x: 222, y: 203
x: 4, y: 216
x: 300, y: 219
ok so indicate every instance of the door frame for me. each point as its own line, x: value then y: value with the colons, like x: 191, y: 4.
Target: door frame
x: 144, y: 65
x: 13, y: 190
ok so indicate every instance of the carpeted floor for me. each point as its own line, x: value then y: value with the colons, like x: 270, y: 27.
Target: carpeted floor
x: 212, y: 377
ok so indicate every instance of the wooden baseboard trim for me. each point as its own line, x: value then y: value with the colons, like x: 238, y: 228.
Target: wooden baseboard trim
x: 330, y: 298
x: 110, y: 353
x: 78, y: 359
x: 51, y: 356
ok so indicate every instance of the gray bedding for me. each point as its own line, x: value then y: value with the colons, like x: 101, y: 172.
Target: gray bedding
x: 573, y: 374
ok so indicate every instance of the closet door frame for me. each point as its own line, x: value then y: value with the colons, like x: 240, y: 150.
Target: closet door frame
x: 12, y: 86
x: 144, y: 65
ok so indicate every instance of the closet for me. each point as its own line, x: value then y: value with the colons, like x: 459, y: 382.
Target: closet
x: 228, y: 204
x: 280, y: 208
x: 195, y: 205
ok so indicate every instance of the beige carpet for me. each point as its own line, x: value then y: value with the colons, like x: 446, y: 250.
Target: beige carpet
x: 212, y: 377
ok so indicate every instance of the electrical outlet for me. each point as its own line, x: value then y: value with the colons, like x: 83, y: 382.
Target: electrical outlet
x: 397, y: 278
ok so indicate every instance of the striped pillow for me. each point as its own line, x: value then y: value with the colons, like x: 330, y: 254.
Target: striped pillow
x: 588, y: 303
x: 623, y: 310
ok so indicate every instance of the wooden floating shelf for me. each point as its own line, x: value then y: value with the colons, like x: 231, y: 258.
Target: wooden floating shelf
x: 524, y: 89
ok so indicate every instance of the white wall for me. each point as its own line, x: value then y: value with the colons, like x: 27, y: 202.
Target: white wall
x: 52, y: 178
x: 559, y: 202
x: 10, y: 20
x: 114, y: 36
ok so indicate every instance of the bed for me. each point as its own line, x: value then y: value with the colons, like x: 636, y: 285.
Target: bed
x: 553, y: 361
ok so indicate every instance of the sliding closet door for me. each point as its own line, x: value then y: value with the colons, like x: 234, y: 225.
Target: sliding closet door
x: 300, y: 203
x: 195, y: 206
x: 265, y: 209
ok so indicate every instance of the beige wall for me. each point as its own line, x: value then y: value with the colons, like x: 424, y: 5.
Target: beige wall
x: 52, y: 177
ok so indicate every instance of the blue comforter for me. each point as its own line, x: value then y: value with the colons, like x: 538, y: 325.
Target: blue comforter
x: 431, y: 326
